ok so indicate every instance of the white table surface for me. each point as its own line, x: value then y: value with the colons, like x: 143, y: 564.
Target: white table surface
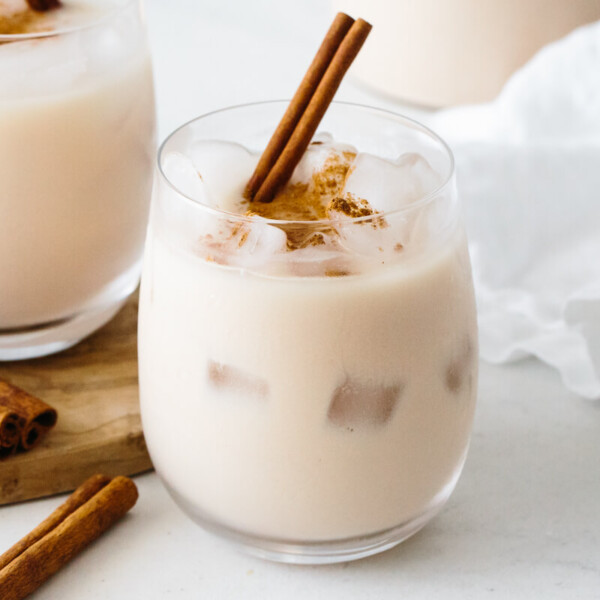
x: 524, y: 521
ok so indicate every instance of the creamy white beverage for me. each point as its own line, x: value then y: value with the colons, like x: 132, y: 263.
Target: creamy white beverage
x: 76, y: 147
x: 308, y: 366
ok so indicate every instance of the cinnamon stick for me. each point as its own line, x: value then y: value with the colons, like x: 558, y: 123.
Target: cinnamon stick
x: 40, y: 560
x: 314, y: 112
x: 79, y: 497
x: 10, y: 431
x: 333, y: 38
x: 43, y: 5
x: 6, y: 451
x: 36, y: 417
x: 10, y: 427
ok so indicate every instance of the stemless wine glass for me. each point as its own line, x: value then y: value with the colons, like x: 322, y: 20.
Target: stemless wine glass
x: 77, y: 140
x: 311, y: 405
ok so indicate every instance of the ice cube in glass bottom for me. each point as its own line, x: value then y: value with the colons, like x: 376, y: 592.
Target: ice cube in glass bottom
x: 355, y: 404
x: 237, y: 382
x: 459, y: 369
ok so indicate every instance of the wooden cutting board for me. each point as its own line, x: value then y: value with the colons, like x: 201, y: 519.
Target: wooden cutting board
x: 94, y: 388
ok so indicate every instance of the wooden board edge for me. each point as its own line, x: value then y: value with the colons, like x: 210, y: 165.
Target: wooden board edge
x: 27, y: 481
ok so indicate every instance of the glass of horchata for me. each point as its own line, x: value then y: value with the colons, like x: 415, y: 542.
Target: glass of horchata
x: 77, y: 139
x: 308, y: 366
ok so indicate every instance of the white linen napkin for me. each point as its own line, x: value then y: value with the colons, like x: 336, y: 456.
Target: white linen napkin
x: 528, y: 168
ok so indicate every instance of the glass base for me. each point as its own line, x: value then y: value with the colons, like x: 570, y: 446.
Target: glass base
x: 33, y: 342
x: 312, y: 552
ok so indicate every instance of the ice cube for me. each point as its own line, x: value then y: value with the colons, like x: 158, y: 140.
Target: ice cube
x: 459, y: 370
x: 377, y: 186
x: 420, y: 178
x: 322, y: 137
x: 235, y: 381
x: 255, y: 244
x: 320, y: 259
x: 387, y: 185
x: 355, y: 403
x: 194, y: 225
x: 372, y: 238
x: 320, y: 150
x: 182, y: 173
x: 433, y: 220
x: 224, y: 167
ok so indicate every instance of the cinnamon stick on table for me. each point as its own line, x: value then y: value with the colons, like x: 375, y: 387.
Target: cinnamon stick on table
x: 79, y: 497
x: 92, y: 509
x: 10, y: 431
x: 293, y: 145
x: 35, y: 417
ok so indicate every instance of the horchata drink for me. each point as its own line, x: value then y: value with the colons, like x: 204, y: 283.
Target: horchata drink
x: 308, y: 366
x: 76, y: 150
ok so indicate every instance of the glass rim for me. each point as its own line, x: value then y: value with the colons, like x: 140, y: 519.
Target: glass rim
x: 424, y: 200
x: 35, y: 35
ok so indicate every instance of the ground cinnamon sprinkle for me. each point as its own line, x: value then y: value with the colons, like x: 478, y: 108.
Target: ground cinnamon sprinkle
x: 294, y: 203
x: 243, y: 239
x: 321, y: 198
x: 328, y: 183
x: 336, y: 273
x: 351, y: 207
x: 310, y: 201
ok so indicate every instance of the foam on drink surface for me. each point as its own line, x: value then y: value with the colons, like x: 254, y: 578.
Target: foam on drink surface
x: 338, y: 214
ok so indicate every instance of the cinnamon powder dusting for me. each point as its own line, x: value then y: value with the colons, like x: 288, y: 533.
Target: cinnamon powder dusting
x: 356, y: 208
x: 314, y: 201
x: 299, y: 204
x: 336, y: 273
x: 351, y: 207
x: 302, y: 201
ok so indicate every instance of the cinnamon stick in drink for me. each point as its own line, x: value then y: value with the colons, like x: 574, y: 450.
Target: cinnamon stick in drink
x: 35, y: 415
x: 295, y: 147
x: 333, y: 38
x: 37, y: 562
